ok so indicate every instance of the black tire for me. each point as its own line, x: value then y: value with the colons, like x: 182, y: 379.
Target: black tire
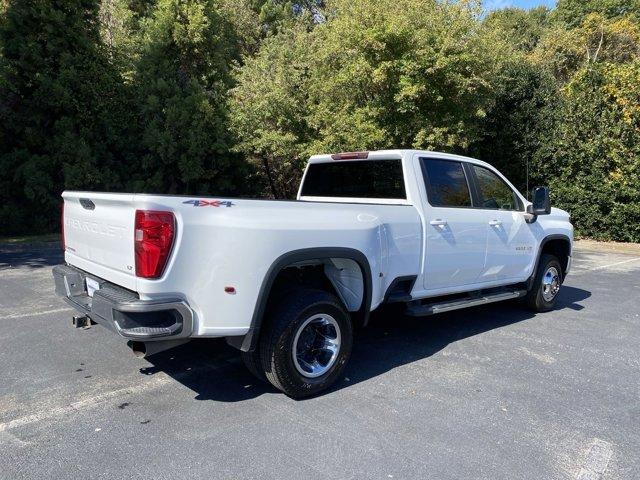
x: 535, y: 299
x: 254, y: 364
x: 277, y: 341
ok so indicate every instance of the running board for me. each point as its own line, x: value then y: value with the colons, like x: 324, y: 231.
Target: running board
x: 447, y: 306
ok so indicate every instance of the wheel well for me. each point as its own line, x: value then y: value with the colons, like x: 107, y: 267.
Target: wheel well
x: 346, y: 269
x: 561, y: 248
x: 292, y: 277
x: 341, y: 277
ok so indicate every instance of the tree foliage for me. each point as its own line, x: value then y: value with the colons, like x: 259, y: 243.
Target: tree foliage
x: 593, y: 163
x: 519, y: 122
x: 229, y: 97
x: 59, y: 112
x: 269, y: 108
x: 375, y: 74
x: 404, y: 73
x: 182, y: 78
x: 523, y: 29
x: 597, y: 39
x: 574, y: 12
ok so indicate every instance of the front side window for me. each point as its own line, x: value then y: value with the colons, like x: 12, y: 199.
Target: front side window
x: 495, y: 194
x: 446, y: 183
x: 355, y: 179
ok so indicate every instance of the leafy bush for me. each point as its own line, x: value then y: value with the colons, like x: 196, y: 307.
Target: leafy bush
x: 229, y: 97
x: 377, y: 74
x: 593, y: 165
x: 58, y: 111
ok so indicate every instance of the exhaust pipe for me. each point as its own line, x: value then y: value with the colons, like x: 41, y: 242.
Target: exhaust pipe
x: 146, y: 349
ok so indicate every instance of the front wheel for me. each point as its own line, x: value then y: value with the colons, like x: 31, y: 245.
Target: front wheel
x: 306, y: 343
x: 546, y: 286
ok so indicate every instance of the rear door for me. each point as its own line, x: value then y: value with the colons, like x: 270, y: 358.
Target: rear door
x: 455, y: 237
x: 510, y: 240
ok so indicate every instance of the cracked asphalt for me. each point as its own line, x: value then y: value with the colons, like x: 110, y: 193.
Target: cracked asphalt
x: 492, y: 392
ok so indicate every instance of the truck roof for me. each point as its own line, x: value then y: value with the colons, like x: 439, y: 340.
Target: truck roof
x: 387, y: 155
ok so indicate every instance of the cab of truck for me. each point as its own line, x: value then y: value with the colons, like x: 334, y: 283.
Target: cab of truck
x: 478, y: 230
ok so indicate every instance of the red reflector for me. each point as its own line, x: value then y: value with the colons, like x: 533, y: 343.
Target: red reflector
x: 231, y: 290
x: 350, y: 156
x: 154, y: 232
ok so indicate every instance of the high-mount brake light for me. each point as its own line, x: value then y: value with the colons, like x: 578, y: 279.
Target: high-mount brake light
x: 350, y: 156
x: 154, y: 234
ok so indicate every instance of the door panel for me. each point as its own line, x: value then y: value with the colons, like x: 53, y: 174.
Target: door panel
x: 510, y: 246
x: 455, y: 251
x: 510, y: 241
x: 455, y: 237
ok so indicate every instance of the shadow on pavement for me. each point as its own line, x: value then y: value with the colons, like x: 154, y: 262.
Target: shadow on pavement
x: 214, y: 371
x: 30, y: 256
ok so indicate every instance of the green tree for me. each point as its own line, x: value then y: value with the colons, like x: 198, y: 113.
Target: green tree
x: 278, y: 15
x: 120, y: 33
x: 182, y: 81
x: 255, y: 20
x: 517, y: 127
x: 593, y: 163
x: 597, y: 39
x: 403, y: 73
x: 269, y: 108
x: 245, y: 22
x: 376, y: 74
x: 574, y: 12
x: 59, y: 110
x: 523, y: 29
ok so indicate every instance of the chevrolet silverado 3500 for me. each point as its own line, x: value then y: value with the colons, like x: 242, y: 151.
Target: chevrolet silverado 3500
x: 285, y: 282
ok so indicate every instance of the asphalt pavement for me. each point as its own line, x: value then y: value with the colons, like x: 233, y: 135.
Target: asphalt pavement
x: 493, y: 392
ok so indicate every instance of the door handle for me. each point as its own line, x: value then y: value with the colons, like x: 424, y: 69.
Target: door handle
x: 438, y: 223
x: 495, y: 223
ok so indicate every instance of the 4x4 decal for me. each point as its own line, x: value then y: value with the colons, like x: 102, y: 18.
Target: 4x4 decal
x: 210, y: 203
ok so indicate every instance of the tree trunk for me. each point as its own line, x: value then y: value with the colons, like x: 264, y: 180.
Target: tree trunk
x: 267, y: 168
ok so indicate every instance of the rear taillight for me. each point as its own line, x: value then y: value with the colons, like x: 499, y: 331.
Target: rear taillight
x: 154, y: 233
x: 62, y: 242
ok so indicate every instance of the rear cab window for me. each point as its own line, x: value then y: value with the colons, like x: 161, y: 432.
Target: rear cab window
x: 355, y: 179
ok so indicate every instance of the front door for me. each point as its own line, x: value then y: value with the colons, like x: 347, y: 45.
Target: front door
x: 510, y: 240
x: 455, y: 239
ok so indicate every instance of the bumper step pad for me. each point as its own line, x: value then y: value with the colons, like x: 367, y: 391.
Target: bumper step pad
x: 122, y: 310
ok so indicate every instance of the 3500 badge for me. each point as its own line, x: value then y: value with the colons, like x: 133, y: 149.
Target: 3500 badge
x: 209, y: 203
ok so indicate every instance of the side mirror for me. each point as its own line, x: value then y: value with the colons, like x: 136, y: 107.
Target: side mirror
x: 541, y: 204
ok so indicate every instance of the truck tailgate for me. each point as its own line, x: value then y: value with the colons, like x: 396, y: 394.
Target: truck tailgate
x: 99, y: 237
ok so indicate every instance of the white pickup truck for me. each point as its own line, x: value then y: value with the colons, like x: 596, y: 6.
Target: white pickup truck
x: 286, y: 281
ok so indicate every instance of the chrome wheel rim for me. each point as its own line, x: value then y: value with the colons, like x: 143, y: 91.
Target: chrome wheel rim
x: 550, y: 284
x: 316, y: 345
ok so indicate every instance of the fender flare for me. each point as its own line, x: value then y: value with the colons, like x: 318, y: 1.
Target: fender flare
x: 543, y: 242
x: 249, y: 341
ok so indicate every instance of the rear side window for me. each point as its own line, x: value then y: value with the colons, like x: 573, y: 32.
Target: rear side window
x: 446, y: 183
x: 494, y: 192
x: 355, y: 179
